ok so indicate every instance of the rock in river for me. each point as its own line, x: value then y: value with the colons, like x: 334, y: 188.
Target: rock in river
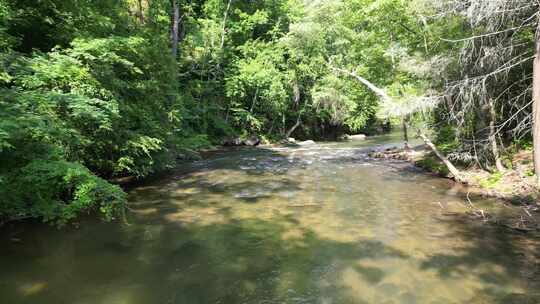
x: 306, y: 143
x: 252, y: 141
x: 356, y: 137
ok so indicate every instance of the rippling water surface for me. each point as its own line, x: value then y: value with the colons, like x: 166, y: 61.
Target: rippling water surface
x: 321, y: 224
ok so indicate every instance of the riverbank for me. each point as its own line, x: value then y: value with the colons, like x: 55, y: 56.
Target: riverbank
x: 515, y: 184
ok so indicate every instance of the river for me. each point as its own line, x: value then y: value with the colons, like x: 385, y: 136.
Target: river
x: 321, y: 224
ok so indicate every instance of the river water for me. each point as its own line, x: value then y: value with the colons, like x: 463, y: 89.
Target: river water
x: 321, y: 224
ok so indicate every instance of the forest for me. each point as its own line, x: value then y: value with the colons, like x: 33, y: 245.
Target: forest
x: 93, y: 91
x: 269, y: 151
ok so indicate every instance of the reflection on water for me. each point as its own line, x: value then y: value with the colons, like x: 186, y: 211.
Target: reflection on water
x: 323, y: 224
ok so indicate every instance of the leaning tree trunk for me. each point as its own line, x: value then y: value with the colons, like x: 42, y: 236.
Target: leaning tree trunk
x: 536, y: 106
x: 493, y: 136
x: 296, y: 91
x: 175, y: 23
x: 293, y: 128
x: 382, y: 94
x: 455, y: 172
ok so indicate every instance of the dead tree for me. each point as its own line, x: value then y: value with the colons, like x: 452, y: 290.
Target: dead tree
x: 494, y: 60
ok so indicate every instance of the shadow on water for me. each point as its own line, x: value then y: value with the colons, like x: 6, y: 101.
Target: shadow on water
x: 495, y: 255
x: 245, y: 261
x: 325, y: 225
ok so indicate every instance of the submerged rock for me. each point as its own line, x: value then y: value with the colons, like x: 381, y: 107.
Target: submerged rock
x: 306, y: 143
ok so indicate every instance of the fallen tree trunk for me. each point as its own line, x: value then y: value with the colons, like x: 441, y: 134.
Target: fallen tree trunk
x: 453, y: 170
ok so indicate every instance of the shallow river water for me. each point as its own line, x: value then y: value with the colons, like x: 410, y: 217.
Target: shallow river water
x: 322, y: 224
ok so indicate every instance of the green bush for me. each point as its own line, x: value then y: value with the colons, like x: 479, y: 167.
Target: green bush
x: 98, y: 108
x: 492, y: 180
x: 57, y: 192
x: 446, y: 139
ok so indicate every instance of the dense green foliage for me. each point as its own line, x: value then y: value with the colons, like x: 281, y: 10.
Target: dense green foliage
x: 90, y: 92
x: 72, y: 111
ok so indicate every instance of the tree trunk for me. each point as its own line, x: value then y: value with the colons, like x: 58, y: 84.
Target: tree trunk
x: 254, y: 101
x: 493, y: 136
x: 455, y: 172
x: 536, y: 106
x: 296, y: 91
x: 175, y: 22
x: 271, y: 127
x: 224, y: 28
x: 141, y: 12
x: 405, y: 134
x: 296, y: 125
x: 379, y: 92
